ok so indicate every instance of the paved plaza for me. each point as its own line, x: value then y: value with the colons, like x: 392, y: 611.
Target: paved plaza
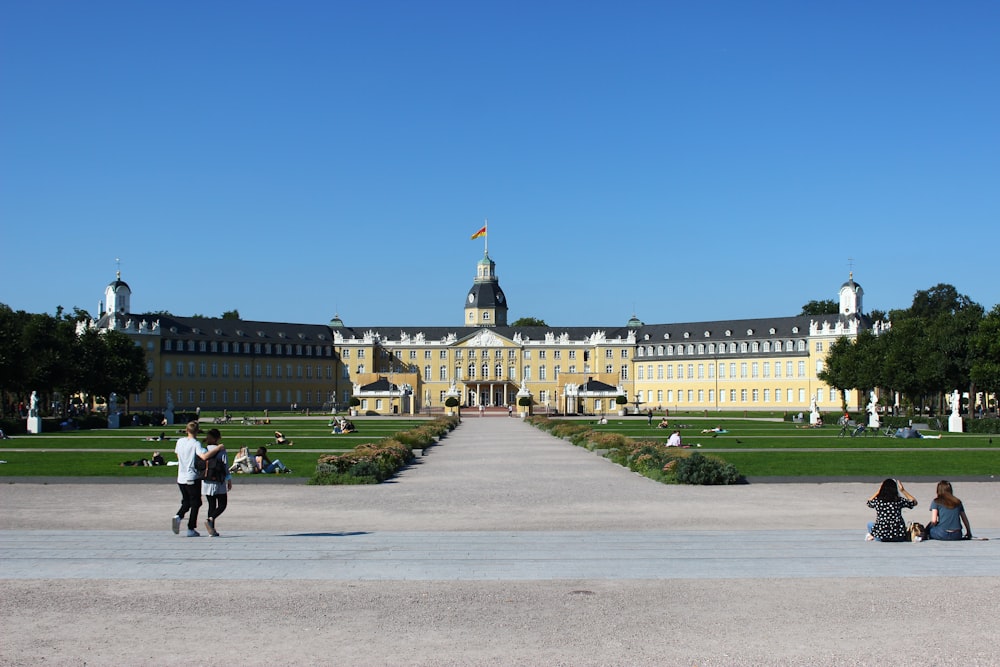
x: 501, y: 546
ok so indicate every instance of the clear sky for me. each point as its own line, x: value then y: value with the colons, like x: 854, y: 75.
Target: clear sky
x: 685, y: 161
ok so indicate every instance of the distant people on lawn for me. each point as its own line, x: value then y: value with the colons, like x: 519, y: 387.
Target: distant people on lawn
x: 280, y: 439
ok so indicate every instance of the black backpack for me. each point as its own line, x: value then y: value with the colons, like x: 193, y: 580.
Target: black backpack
x: 211, y: 470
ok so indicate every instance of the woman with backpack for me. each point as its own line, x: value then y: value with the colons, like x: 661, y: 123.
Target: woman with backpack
x: 217, y: 483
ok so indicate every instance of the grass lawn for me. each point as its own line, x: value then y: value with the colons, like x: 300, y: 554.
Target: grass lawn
x: 760, y: 448
x: 99, y: 453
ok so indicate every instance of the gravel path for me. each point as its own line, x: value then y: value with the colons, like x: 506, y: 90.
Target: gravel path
x: 502, y: 480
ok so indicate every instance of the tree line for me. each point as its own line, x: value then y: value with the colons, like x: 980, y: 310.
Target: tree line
x: 44, y: 353
x: 944, y: 341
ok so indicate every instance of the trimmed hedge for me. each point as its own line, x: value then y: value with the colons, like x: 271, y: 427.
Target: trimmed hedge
x: 650, y: 458
x: 375, y: 462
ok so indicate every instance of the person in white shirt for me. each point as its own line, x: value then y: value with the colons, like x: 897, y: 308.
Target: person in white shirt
x: 674, y: 440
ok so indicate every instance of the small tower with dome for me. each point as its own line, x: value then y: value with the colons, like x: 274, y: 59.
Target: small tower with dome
x: 485, y: 304
x: 117, y: 297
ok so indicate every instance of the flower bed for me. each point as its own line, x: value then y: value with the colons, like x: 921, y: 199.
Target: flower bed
x: 374, y: 462
x: 649, y: 458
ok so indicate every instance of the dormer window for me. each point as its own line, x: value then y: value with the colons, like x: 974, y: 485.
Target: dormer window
x: 749, y: 332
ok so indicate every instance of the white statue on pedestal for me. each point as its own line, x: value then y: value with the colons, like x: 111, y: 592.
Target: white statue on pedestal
x: 813, y: 412
x: 955, y: 424
x: 873, y: 419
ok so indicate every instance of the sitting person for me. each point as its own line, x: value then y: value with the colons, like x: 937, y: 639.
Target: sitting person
x: 888, y: 505
x: 280, y: 439
x: 3, y: 436
x: 675, y: 440
x: 243, y: 463
x: 349, y: 426
x: 947, y: 512
x: 262, y: 464
x: 664, y: 423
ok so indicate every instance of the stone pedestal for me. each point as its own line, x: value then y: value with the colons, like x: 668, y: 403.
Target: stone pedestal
x: 168, y: 414
x: 874, y: 421
x: 34, y: 425
x: 113, y: 420
x: 955, y: 424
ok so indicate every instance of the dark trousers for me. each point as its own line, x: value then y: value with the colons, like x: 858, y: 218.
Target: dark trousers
x: 190, y: 500
x: 217, y: 504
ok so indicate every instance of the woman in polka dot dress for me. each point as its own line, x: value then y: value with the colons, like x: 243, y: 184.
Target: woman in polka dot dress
x: 888, y: 505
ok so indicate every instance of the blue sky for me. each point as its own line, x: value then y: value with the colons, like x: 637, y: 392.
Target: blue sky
x: 685, y: 161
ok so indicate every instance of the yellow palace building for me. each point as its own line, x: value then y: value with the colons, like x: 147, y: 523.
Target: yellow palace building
x: 245, y: 366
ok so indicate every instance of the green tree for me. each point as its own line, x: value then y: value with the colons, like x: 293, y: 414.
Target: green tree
x: 985, y: 370
x: 233, y: 314
x: 824, y: 307
x: 929, y: 347
x: 529, y: 322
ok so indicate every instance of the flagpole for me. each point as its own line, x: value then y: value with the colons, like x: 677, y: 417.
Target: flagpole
x: 486, y: 237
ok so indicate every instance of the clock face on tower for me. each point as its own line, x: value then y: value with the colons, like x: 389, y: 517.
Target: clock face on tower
x: 500, y: 298
x: 471, y: 297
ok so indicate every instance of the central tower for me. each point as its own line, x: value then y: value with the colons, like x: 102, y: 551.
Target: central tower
x: 486, y: 305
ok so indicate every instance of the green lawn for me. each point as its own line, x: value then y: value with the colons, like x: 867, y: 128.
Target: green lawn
x: 100, y: 452
x: 779, y: 449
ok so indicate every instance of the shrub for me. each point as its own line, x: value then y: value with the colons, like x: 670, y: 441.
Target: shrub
x: 982, y: 425
x: 706, y: 470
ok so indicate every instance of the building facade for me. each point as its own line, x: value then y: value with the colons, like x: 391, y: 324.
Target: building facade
x: 754, y: 364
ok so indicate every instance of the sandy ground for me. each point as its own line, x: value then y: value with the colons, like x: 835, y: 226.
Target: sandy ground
x: 497, y: 477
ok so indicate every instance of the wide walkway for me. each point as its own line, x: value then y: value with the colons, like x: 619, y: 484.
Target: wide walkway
x: 497, y: 524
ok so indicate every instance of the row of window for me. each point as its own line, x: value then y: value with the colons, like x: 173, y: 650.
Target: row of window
x: 206, y: 369
x: 754, y: 369
x: 462, y: 353
x: 707, y: 396
x: 237, y: 397
x: 752, y: 347
x: 780, y: 395
x: 225, y: 347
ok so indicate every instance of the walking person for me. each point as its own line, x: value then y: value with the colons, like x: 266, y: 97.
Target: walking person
x: 188, y: 449
x: 216, y: 492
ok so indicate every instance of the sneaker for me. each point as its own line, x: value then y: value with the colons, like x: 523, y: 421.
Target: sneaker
x: 193, y: 533
x: 210, y: 524
x: 869, y: 537
x: 175, y: 525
